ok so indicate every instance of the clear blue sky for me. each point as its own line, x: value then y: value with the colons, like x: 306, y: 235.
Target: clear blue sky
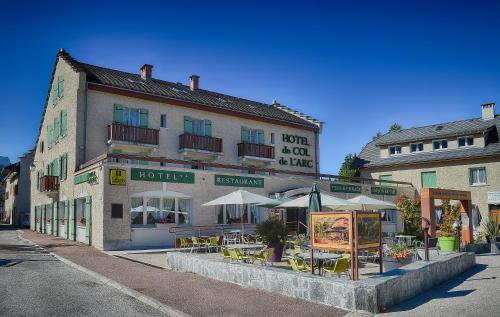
x: 357, y: 66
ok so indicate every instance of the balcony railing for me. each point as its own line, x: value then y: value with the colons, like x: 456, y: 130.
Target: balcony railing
x: 256, y: 150
x: 198, y: 142
x: 126, y: 133
x: 49, y: 183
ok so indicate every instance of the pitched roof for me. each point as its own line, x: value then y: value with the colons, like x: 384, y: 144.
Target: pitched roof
x: 176, y: 91
x: 370, y: 154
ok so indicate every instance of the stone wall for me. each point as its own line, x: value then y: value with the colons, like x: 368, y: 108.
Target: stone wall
x: 370, y: 295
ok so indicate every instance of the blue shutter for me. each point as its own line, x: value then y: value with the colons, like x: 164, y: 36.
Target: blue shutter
x: 56, y: 129
x: 143, y: 118
x: 60, y: 86
x: 54, y: 95
x: 49, y: 136
x: 118, y: 113
x: 245, y: 134
x: 261, y: 136
x: 188, y: 125
x: 208, y: 127
x: 64, y: 122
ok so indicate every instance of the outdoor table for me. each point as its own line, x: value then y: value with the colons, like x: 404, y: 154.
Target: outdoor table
x: 245, y: 246
x: 320, y: 257
x: 407, y: 239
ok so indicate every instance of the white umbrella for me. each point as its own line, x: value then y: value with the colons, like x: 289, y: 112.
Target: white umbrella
x: 362, y: 202
x: 240, y: 197
x: 326, y: 200
x: 161, y: 194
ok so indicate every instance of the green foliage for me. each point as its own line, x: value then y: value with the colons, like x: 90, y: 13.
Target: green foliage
x: 377, y: 135
x: 492, y: 229
x: 347, y: 169
x: 411, y: 215
x: 450, y: 215
x: 272, y: 231
x: 395, y: 127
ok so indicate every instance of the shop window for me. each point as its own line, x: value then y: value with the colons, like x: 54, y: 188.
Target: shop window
x: 152, y: 210
x: 184, y: 212
x: 160, y: 210
x: 117, y: 211
x: 250, y: 214
x: 390, y: 216
x: 168, y: 211
x: 136, y: 211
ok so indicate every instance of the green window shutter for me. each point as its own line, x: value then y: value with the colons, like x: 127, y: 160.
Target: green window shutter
x: 245, y: 134
x: 54, y: 95
x: 66, y: 218
x: 56, y: 129
x: 55, y: 167
x: 384, y: 178
x: 64, y: 166
x: 143, y: 118
x: 208, y: 127
x: 64, y: 122
x: 188, y: 125
x: 88, y: 219
x: 429, y: 179
x: 49, y: 136
x: 261, y: 137
x: 117, y: 113
x: 60, y: 86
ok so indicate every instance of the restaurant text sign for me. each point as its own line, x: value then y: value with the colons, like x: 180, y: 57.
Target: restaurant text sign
x: 139, y: 174
x: 89, y: 177
x: 345, y: 188
x: 238, y: 181
x: 378, y: 190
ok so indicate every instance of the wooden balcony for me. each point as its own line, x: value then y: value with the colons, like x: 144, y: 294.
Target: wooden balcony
x: 49, y: 184
x: 198, y: 142
x: 137, y: 135
x: 256, y: 150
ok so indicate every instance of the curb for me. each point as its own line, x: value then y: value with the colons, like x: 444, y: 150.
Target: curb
x: 169, y: 311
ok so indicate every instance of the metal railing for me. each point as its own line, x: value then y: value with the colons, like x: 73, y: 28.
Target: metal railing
x: 49, y: 183
x: 256, y: 150
x: 127, y: 133
x: 200, y: 142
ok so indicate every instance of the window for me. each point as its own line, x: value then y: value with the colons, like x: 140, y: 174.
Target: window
x: 235, y: 214
x: 130, y: 116
x: 160, y: 210
x: 416, y: 147
x: 429, y: 179
x: 168, y: 211
x: 255, y: 136
x: 477, y: 176
x: 197, y: 126
x: 136, y: 211
x: 273, y: 141
x: 49, y: 136
x: 163, y: 121
x: 57, y: 90
x: 42, y: 145
x: 117, y: 211
x: 152, y: 210
x: 184, y: 211
x: 466, y: 141
x: 63, y: 165
x: 56, y: 130
x: 439, y: 145
x: 390, y: 215
x: 393, y: 150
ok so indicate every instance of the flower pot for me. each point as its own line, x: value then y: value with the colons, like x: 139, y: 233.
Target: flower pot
x: 494, y: 248
x: 391, y: 264
x: 448, y: 244
x: 278, y: 252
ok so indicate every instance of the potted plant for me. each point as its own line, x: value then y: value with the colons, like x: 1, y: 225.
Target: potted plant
x: 492, y: 233
x: 273, y: 233
x: 396, y: 256
x: 448, y: 239
x: 83, y: 222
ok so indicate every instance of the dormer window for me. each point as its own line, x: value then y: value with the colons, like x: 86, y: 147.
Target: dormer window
x: 440, y: 145
x: 416, y: 147
x: 465, y: 141
x: 393, y: 150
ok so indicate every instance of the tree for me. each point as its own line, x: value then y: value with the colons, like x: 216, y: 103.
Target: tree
x: 411, y: 215
x: 347, y: 169
x: 395, y: 127
x: 377, y: 135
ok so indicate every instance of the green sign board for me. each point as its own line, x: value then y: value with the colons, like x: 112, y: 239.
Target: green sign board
x: 345, y: 188
x: 139, y: 174
x: 89, y: 177
x: 378, y: 190
x: 238, y: 181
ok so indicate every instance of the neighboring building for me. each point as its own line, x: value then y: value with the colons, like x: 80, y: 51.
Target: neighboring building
x: 4, y: 161
x: 125, y: 160
x: 18, y: 191
x: 461, y: 155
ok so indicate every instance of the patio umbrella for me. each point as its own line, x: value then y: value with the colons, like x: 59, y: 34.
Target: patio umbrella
x: 314, y: 204
x: 326, y: 201
x: 364, y: 203
x: 240, y: 197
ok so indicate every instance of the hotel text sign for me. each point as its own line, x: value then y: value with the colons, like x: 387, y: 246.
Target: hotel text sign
x: 298, y: 148
x: 238, y: 181
x: 345, y: 188
x: 139, y: 174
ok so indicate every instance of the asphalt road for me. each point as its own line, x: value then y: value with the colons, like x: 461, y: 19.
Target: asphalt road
x: 34, y: 283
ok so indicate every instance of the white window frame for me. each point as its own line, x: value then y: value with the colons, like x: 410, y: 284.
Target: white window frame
x: 395, y: 146
x: 471, y: 183
x: 466, y: 141
x: 177, y: 211
x: 417, y: 150
x: 441, y: 145
x: 165, y: 126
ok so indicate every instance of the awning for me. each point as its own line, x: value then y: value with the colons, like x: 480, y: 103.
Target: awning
x: 240, y: 197
x: 326, y: 200
x: 161, y: 194
x: 367, y: 203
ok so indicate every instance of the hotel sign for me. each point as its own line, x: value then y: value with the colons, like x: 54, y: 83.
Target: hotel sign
x: 345, y: 188
x: 238, y: 181
x: 117, y: 177
x: 139, y: 174
x: 89, y: 177
x: 388, y: 191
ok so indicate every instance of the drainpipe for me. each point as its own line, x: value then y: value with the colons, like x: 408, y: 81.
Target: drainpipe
x: 84, y: 159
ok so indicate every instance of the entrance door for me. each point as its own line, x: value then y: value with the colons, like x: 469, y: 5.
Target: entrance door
x: 296, y: 219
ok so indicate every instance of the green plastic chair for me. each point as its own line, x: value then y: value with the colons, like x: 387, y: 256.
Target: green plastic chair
x: 297, y: 249
x: 185, y: 243
x: 198, y: 244
x: 341, y: 267
x: 213, y: 243
x: 237, y: 256
x: 265, y: 256
x: 298, y: 266
x: 225, y: 253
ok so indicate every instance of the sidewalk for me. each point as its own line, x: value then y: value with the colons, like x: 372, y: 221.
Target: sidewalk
x: 185, y: 292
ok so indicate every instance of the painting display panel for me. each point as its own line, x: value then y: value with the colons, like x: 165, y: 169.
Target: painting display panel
x: 368, y: 225
x: 331, y: 230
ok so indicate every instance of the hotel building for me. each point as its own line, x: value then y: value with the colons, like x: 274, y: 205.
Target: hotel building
x: 461, y: 155
x: 126, y: 160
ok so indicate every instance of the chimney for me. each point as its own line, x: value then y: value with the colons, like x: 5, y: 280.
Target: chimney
x: 146, y: 71
x: 194, y: 83
x: 488, y: 111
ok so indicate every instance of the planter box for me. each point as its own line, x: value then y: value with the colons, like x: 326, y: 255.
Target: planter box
x: 448, y: 244
x: 391, y: 264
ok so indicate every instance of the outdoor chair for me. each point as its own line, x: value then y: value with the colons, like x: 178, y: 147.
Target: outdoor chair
x: 297, y: 249
x: 225, y: 254
x: 237, y: 256
x: 185, y: 243
x: 213, y: 244
x: 230, y: 238
x: 265, y: 256
x: 298, y: 265
x: 388, y: 241
x: 340, y: 266
x: 258, y: 240
x: 198, y: 244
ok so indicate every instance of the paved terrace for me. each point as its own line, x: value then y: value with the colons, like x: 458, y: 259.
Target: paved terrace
x: 186, y: 292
